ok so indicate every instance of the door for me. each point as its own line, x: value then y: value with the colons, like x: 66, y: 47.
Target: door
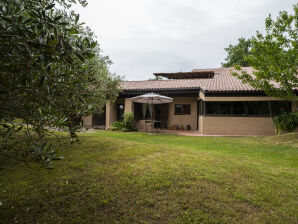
x: 157, y: 112
x: 164, y: 115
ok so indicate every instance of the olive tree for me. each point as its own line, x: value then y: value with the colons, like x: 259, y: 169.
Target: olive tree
x: 51, y: 73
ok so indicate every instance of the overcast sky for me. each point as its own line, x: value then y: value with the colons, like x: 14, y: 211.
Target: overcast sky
x: 147, y: 36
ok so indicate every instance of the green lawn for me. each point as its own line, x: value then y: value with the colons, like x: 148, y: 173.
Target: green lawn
x: 114, y: 177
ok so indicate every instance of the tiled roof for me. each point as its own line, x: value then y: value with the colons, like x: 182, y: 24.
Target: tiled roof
x: 222, y: 81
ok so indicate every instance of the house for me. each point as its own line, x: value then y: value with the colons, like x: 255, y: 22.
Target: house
x: 211, y: 101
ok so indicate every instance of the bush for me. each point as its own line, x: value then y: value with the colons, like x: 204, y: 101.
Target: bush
x: 111, y: 128
x: 126, y: 125
x: 286, y: 121
x: 117, y: 126
x: 128, y: 121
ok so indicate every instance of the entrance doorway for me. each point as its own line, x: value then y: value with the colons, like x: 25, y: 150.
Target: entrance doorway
x: 161, y: 114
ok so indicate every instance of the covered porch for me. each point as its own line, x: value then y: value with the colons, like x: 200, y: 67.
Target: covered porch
x: 180, y: 115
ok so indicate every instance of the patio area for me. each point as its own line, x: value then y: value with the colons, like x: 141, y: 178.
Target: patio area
x: 195, y: 133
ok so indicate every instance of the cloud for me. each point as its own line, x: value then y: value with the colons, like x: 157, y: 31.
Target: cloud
x: 142, y: 37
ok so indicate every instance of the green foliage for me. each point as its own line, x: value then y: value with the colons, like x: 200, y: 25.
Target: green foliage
x: 237, y: 53
x: 156, y: 78
x: 286, y: 121
x: 117, y: 126
x: 51, y: 70
x: 127, y: 124
x: 128, y: 120
x: 273, y: 55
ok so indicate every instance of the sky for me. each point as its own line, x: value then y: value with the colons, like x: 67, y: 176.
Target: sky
x: 143, y: 37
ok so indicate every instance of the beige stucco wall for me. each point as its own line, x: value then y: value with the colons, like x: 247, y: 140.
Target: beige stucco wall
x: 128, y: 106
x: 87, y: 121
x: 183, y: 119
x: 111, y: 113
x: 237, y: 126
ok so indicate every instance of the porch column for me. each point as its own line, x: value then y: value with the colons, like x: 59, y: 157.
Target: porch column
x: 129, y: 106
x: 111, y: 113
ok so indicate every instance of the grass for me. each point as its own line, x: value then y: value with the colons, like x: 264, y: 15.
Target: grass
x: 114, y: 177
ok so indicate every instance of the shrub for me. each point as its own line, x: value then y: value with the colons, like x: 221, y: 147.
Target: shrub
x: 111, y: 128
x: 286, y: 121
x: 126, y: 125
x: 117, y: 126
x: 128, y: 121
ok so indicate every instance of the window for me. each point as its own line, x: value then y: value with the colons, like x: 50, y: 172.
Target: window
x: 247, y: 108
x: 211, y: 108
x: 279, y: 107
x: 253, y: 108
x: 182, y: 109
x: 264, y: 108
x: 238, y: 108
x: 225, y: 108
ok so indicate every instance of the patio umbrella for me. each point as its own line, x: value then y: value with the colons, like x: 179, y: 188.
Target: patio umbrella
x: 151, y: 98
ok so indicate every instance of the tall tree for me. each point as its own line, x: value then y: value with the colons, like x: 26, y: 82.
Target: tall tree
x: 51, y: 72
x: 273, y: 55
x: 237, y: 53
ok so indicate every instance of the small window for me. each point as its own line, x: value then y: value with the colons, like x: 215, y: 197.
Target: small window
x: 182, y: 109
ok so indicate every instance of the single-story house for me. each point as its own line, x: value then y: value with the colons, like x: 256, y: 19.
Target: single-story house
x: 210, y: 101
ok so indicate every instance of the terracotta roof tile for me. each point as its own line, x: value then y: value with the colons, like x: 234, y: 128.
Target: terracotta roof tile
x: 222, y: 81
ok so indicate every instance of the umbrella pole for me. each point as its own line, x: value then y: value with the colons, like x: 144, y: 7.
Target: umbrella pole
x: 152, y: 124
